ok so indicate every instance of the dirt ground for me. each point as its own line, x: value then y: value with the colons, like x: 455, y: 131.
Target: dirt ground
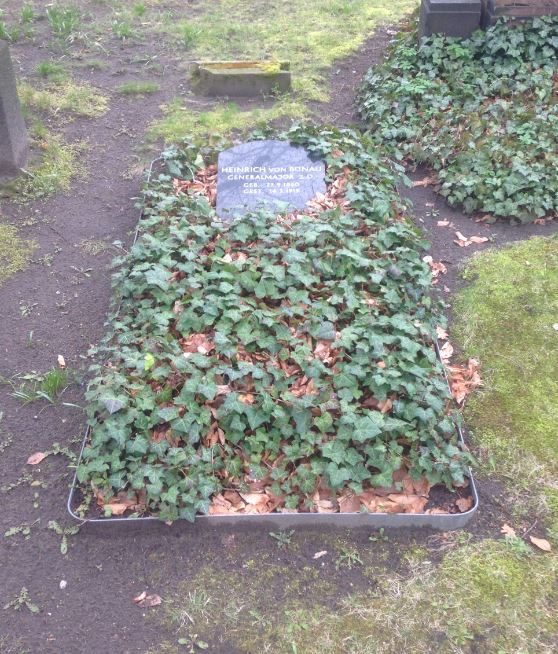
x: 106, y: 567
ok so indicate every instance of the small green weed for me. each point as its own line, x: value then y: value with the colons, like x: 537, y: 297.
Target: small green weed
x: 139, y: 9
x: 348, y: 558
x: 379, y: 536
x: 48, y: 386
x: 23, y: 530
x: 10, y: 34
x: 64, y: 21
x: 64, y: 532
x: 283, y: 538
x: 187, y: 34
x: 95, y: 246
x: 518, y: 546
x: 22, y: 600
x: 122, y: 29
x: 27, y: 14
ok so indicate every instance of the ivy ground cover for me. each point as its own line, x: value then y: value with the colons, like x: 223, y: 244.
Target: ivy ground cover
x: 276, y: 363
x: 483, y: 113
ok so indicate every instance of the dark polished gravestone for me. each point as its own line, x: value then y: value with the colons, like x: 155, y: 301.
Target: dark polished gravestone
x: 13, y: 135
x: 266, y: 173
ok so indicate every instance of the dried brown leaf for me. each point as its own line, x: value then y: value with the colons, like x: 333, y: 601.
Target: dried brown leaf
x: 464, y: 504
x: 541, y: 543
x: 36, y: 458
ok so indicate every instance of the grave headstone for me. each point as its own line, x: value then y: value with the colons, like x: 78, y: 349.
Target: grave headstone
x: 269, y: 172
x: 13, y: 135
x: 450, y: 17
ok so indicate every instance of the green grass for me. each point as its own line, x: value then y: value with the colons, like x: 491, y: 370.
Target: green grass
x: 53, y: 167
x: 65, y: 21
x: 137, y: 88
x: 34, y: 387
x: 506, y: 318
x: 312, y: 36
x: 52, y: 71
x: 481, y: 595
x: 79, y: 99
x: 15, y: 252
x: 180, y: 121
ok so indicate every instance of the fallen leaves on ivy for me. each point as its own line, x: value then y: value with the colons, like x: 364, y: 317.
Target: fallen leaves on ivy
x: 464, y: 504
x: 204, y: 183
x: 196, y: 343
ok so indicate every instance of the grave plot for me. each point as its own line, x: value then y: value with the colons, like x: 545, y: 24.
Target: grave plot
x: 282, y: 361
x: 482, y: 113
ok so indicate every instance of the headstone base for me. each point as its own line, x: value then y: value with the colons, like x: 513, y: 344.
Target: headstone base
x: 450, y: 17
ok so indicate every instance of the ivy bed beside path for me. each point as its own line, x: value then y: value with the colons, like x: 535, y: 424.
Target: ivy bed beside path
x: 276, y: 363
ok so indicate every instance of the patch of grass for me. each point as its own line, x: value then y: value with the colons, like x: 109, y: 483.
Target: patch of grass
x: 15, y: 252
x: 312, y: 35
x: 27, y: 14
x: 65, y: 21
x: 186, y: 34
x: 179, y: 120
x: 51, y: 70
x: 48, y: 386
x: 481, y: 594
x: 92, y: 64
x: 56, y: 163
x: 137, y: 88
x: 9, y: 33
x: 122, y: 29
x: 139, y: 9
x: 80, y: 99
x: 506, y: 318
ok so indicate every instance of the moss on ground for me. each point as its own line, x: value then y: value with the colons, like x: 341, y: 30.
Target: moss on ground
x: 481, y: 598
x: 507, y: 317
x: 179, y: 121
x: 15, y: 252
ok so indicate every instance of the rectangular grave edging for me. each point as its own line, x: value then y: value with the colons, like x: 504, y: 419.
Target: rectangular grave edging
x: 377, y: 520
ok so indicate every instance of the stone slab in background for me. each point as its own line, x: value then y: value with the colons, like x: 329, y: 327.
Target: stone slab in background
x: 13, y: 135
x: 266, y: 173
x: 242, y: 78
x: 518, y: 9
x: 450, y: 17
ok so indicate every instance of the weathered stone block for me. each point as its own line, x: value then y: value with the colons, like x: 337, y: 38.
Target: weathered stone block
x: 450, y: 17
x: 242, y: 78
x: 13, y: 135
x: 518, y: 9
